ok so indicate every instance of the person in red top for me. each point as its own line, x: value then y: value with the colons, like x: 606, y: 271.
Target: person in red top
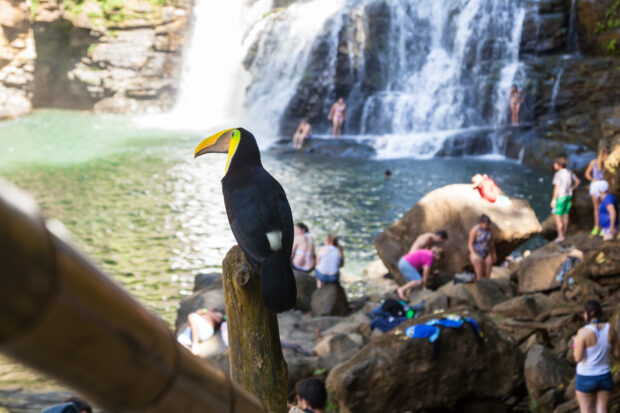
x: 414, y: 263
x: 486, y: 186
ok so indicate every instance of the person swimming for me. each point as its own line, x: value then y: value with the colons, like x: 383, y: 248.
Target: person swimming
x: 303, y: 257
x: 337, y: 114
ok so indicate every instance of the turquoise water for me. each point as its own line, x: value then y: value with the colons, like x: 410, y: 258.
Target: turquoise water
x: 153, y: 217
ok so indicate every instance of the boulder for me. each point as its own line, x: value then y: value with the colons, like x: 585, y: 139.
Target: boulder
x: 300, y: 367
x: 330, y: 299
x: 537, y: 272
x: 357, y: 323
x: 306, y: 286
x: 525, y: 307
x: 544, y: 371
x: 208, y: 281
x: 482, y: 294
x: 335, y: 349
x: 457, y: 209
x: 394, y: 373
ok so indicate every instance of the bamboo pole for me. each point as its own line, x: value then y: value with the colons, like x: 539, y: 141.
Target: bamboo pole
x: 62, y: 316
x: 256, y: 360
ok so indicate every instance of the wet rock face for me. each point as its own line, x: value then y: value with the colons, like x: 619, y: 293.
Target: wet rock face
x: 396, y: 373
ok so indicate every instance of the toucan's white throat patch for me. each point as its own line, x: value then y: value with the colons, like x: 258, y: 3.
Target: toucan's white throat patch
x: 275, y: 240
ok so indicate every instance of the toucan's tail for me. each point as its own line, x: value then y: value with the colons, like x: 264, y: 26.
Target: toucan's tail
x: 278, y: 283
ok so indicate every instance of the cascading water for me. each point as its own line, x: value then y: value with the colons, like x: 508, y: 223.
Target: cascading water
x: 556, y: 89
x: 413, y: 73
x: 572, y: 38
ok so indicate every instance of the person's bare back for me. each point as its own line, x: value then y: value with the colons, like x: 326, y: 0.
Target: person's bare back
x: 428, y: 240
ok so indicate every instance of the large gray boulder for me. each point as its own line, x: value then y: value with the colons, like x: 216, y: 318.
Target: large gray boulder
x: 544, y: 371
x: 394, y: 373
x: 306, y: 286
x: 457, y: 209
x: 330, y: 299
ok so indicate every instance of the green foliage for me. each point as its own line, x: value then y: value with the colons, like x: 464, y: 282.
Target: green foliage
x: 33, y: 7
x: 612, y: 19
x: 611, y: 46
x: 112, y: 11
x: 90, y: 49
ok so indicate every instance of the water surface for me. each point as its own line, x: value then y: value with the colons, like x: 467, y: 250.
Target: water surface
x: 152, y: 217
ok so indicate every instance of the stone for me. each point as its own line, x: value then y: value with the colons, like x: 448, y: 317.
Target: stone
x: 337, y: 348
x: 128, y: 49
x: 544, y: 371
x: 330, y: 299
x: 356, y: 323
x: 393, y: 373
x: 498, y: 272
x: 13, y: 103
x: 306, y: 286
x: 538, y: 271
x: 482, y: 294
x: 525, y: 307
x: 208, y: 281
x: 300, y: 367
x: 457, y: 209
x: 438, y: 301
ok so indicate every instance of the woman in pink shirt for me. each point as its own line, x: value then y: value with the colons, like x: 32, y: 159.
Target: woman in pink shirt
x: 415, y: 268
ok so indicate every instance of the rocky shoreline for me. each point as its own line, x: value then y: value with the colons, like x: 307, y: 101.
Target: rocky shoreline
x: 528, y: 316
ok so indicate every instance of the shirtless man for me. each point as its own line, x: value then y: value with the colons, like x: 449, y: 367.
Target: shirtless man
x: 428, y: 240
x: 303, y: 257
x: 337, y: 115
x: 304, y: 130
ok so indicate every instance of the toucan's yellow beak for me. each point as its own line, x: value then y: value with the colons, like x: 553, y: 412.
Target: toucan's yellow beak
x: 218, y: 142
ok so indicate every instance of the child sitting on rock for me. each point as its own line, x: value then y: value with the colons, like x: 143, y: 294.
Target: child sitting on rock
x: 311, y: 396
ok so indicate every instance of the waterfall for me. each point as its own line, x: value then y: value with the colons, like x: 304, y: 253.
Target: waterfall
x: 556, y: 89
x: 413, y: 73
x: 572, y: 39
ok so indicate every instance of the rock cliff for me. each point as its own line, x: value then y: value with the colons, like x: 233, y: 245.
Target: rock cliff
x: 106, y: 55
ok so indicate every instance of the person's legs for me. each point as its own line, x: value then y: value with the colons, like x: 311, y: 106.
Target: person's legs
x: 334, y: 126
x: 565, y: 224
x: 478, y: 263
x: 488, y: 265
x: 517, y: 108
x: 602, y: 399
x: 302, y: 137
x: 595, y: 204
x: 559, y: 224
x: 404, y: 290
x: 338, y: 122
x: 587, y: 401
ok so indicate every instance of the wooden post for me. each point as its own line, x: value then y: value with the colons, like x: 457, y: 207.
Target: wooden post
x: 256, y: 360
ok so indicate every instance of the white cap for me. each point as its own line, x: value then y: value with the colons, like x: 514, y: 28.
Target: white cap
x: 603, y: 186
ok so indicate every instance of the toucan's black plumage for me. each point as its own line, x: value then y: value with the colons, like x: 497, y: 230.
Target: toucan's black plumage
x: 261, y: 221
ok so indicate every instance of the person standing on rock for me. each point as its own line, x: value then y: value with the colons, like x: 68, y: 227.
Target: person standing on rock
x: 564, y: 183
x: 337, y: 115
x: 414, y: 263
x: 608, y: 212
x: 303, y: 257
x: 304, y: 130
x: 592, y: 346
x: 517, y: 97
x: 428, y: 240
x: 328, y: 261
x: 594, y: 174
x: 481, y: 248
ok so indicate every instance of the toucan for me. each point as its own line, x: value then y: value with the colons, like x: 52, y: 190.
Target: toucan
x: 258, y: 213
